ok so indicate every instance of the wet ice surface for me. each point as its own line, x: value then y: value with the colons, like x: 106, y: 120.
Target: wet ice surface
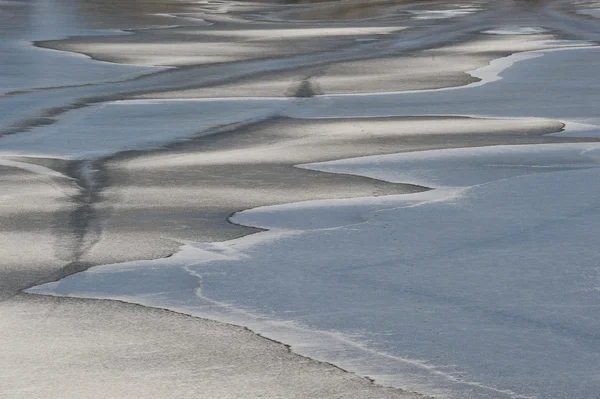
x: 486, y: 286
x: 532, y: 88
x: 485, y: 289
x: 90, y: 132
x: 26, y: 67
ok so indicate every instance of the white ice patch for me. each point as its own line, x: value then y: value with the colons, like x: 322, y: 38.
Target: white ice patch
x: 515, y: 30
x: 298, y: 33
x: 37, y: 169
x: 197, y: 21
x: 442, y: 14
x: 117, y: 126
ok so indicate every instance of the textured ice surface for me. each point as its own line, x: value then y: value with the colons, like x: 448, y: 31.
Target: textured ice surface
x: 486, y: 286
x: 92, y: 132
x: 27, y: 67
x: 442, y: 14
x: 516, y: 30
x: 485, y: 289
x: 524, y: 85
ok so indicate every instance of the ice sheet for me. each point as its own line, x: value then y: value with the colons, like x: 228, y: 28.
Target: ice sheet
x: 532, y: 95
x: 26, y: 67
x: 485, y: 289
x: 91, y: 132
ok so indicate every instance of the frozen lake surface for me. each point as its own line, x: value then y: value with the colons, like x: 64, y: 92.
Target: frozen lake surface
x: 25, y: 67
x: 406, y: 190
x: 485, y: 286
x: 523, y: 85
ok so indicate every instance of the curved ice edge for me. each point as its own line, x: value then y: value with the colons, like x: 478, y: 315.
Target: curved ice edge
x: 134, y: 70
x: 350, y: 352
x: 493, y: 70
x: 33, y: 168
x: 37, y: 44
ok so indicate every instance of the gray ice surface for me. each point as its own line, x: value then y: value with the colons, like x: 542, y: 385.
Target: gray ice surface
x: 490, y: 291
x: 26, y: 67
